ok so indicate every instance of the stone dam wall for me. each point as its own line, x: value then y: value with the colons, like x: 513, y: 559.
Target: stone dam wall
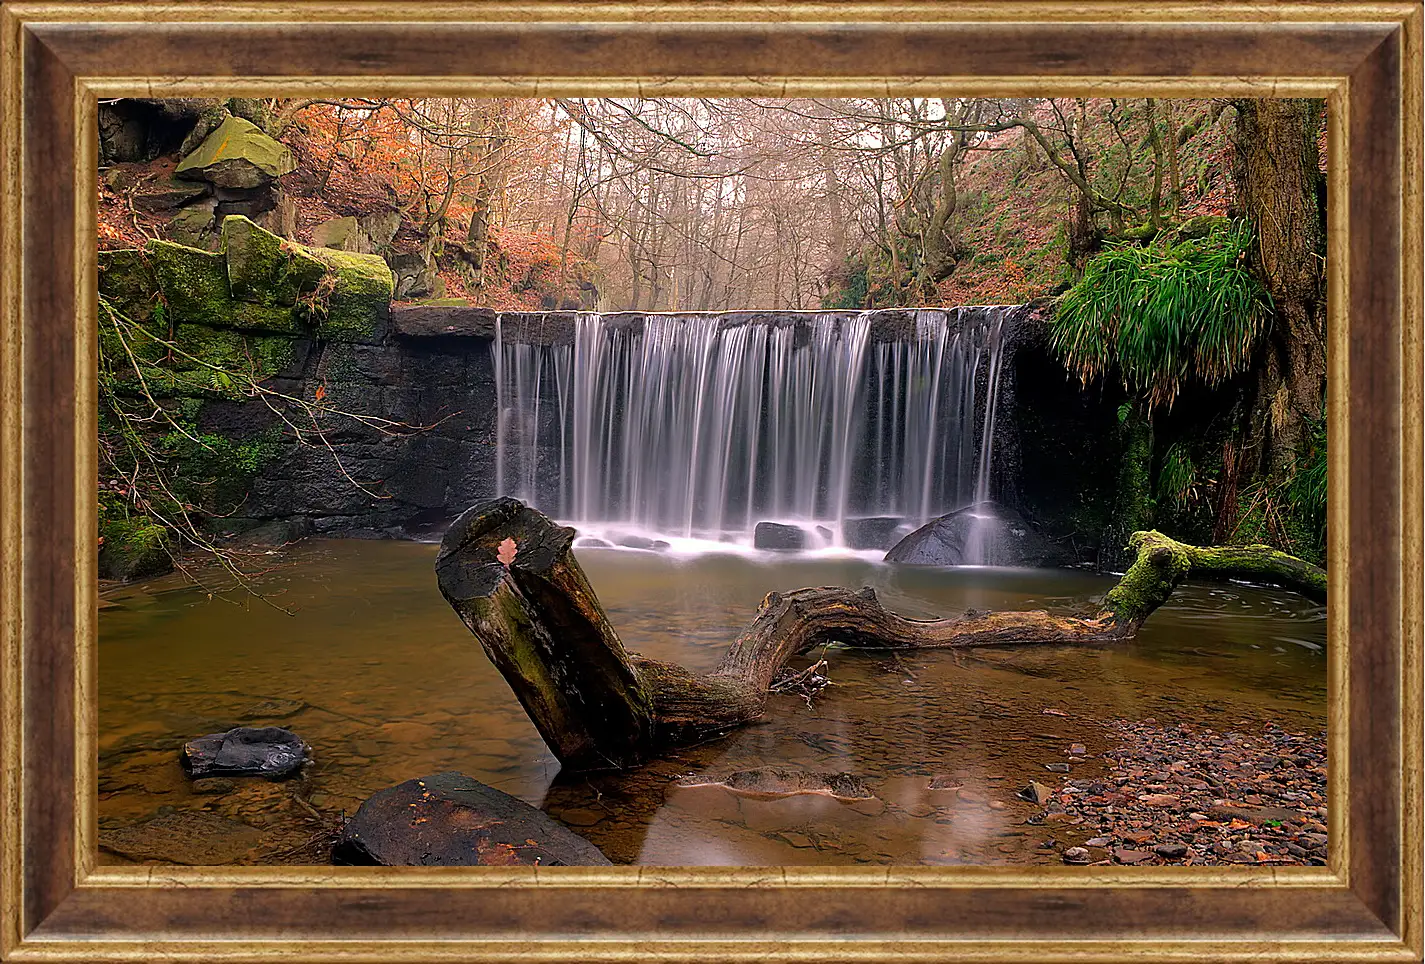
x: 318, y: 325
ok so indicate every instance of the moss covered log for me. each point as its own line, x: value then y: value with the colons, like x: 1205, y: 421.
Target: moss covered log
x: 510, y: 574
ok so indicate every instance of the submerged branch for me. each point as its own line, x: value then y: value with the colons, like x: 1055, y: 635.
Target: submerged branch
x: 510, y: 574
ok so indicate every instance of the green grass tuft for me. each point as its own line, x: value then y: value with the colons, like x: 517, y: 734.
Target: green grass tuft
x: 1159, y: 316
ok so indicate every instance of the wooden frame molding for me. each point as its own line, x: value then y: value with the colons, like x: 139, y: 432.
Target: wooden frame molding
x: 56, y: 905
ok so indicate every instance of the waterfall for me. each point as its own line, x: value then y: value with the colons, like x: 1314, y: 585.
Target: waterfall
x: 700, y: 425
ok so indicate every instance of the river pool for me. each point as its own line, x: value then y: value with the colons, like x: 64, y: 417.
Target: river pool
x: 372, y: 668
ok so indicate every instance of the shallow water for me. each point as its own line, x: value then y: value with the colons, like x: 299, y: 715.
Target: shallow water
x: 386, y: 684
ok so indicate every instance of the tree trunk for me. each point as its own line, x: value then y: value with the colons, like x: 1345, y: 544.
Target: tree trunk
x: 543, y: 628
x: 1278, y: 182
x: 1133, y: 505
x: 509, y: 573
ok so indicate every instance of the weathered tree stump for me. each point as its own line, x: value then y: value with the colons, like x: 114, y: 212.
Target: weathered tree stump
x: 542, y: 626
x: 509, y: 572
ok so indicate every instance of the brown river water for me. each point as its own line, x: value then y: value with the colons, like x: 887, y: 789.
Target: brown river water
x: 373, y: 669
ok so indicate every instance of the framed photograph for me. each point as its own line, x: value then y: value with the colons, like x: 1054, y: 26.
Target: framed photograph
x: 589, y: 481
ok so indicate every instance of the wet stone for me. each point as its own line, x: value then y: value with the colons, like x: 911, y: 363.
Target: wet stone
x: 450, y: 819
x: 1036, y: 793
x: 245, y: 751
x: 769, y: 782
x: 192, y: 837
x: 277, y: 709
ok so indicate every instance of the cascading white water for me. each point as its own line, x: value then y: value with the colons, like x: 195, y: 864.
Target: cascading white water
x: 701, y: 425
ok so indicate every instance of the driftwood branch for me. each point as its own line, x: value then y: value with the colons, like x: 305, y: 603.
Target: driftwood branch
x: 510, y: 574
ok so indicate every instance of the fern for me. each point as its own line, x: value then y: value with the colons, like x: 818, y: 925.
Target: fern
x: 1161, y: 316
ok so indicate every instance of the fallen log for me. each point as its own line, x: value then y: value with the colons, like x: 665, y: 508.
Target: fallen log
x: 510, y: 574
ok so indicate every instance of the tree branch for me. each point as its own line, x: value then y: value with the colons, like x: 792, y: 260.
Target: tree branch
x: 510, y: 574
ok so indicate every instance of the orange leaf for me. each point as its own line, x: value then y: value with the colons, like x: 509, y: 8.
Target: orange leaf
x: 506, y: 552
x: 321, y: 392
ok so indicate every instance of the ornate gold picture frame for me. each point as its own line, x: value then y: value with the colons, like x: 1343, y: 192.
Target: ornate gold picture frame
x: 58, y: 905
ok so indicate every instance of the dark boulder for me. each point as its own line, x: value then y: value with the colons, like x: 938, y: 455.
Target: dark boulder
x: 245, y: 751
x: 984, y: 534
x: 451, y: 820
x: 873, y: 532
x: 140, y: 129
x: 775, y: 535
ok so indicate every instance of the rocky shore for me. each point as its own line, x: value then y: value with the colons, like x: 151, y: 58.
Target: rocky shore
x: 1182, y: 794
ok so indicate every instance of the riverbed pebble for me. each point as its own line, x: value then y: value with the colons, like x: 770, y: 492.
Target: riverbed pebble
x: 1188, y: 794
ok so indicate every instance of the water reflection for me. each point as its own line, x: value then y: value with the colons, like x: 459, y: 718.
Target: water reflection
x: 385, y: 683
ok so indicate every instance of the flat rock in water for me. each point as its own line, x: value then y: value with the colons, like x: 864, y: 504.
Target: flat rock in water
x: 776, y: 535
x: 451, y: 820
x: 275, y: 709
x: 770, y: 782
x: 245, y: 751
x: 631, y: 541
x: 192, y: 837
x: 983, y: 534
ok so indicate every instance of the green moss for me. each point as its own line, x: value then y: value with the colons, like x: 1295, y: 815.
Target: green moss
x: 239, y: 155
x: 1259, y: 563
x: 276, y: 318
x: 352, y: 303
x: 263, y: 269
x: 194, y: 283
x: 215, y: 470
x: 252, y: 109
x: 237, y: 355
x: 121, y: 347
x: 1159, y: 565
x: 133, y: 545
x: 127, y: 281
x: 1133, y: 504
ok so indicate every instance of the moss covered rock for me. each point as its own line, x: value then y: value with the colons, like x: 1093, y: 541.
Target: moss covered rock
x: 267, y: 274
x: 344, y: 234
x: 194, y: 283
x: 242, y: 355
x: 132, y: 545
x: 353, y: 302
x: 128, y: 282
x: 237, y: 154
x: 194, y: 227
